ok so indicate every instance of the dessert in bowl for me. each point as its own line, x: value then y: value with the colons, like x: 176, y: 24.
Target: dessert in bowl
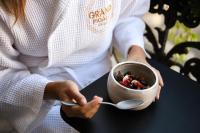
x: 132, y: 80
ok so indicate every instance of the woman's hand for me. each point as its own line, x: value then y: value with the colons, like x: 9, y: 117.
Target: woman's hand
x: 86, y: 111
x: 68, y: 91
x: 137, y: 54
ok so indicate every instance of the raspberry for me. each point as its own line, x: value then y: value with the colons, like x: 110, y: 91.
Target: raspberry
x: 130, y: 81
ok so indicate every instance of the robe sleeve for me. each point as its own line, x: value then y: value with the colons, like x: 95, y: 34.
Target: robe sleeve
x: 21, y: 92
x: 130, y: 26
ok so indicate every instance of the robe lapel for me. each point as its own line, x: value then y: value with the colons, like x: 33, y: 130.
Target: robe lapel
x: 61, y: 42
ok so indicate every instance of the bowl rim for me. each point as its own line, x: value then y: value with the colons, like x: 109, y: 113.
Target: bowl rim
x: 135, y: 62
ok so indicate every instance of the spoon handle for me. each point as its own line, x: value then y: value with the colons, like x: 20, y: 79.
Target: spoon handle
x: 108, y: 103
x: 69, y: 103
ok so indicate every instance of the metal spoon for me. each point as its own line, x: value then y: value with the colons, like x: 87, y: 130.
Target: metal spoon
x: 127, y: 104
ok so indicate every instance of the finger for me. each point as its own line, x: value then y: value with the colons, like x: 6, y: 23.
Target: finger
x: 74, y: 93
x: 158, y: 93
x: 64, y: 97
x: 161, y: 83
x: 94, y: 102
x: 86, y: 111
x: 72, y: 111
x: 78, y: 97
x: 93, y: 106
x: 99, y: 98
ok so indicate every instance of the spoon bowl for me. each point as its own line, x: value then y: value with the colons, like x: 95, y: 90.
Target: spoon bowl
x: 124, y: 105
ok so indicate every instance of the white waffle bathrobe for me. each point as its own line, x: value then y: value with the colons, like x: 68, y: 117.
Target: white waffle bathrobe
x: 59, y: 40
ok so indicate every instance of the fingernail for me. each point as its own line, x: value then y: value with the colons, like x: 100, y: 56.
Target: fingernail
x: 158, y: 96
x: 101, y: 99
x: 95, y: 96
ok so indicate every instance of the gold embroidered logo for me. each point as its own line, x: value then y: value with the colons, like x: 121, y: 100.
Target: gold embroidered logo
x: 99, y: 15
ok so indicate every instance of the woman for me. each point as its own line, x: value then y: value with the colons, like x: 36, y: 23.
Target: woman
x: 46, y: 48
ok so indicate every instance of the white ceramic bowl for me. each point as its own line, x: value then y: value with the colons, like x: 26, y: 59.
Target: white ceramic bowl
x: 118, y: 92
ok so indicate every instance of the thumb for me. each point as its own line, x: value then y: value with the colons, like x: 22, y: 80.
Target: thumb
x: 94, y: 104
